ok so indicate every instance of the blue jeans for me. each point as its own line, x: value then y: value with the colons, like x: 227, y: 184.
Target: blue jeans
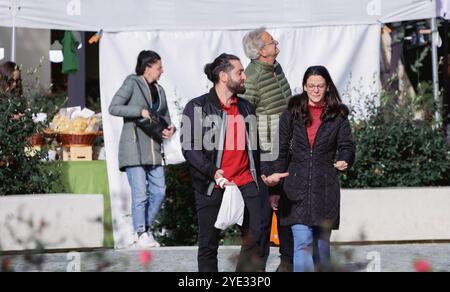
x: 148, y: 189
x: 311, y: 248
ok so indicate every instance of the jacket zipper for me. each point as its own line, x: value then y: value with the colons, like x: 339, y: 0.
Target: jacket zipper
x: 152, y: 150
x: 311, y: 156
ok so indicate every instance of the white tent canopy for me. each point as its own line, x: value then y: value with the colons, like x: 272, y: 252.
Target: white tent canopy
x: 343, y: 35
x: 443, y: 9
x: 138, y: 15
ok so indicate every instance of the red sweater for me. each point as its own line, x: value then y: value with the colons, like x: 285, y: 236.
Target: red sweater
x: 235, y: 163
x: 316, y: 113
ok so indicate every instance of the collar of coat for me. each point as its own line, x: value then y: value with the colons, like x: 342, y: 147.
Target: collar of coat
x: 214, y: 101
x: 266, y: 66
x: 144, y: 87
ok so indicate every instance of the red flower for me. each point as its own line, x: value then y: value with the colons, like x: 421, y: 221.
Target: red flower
x: 422, y: 266
x: 6, y: 265
x: 145, y: 258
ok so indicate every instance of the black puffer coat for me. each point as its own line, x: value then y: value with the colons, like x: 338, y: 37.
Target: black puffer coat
x: 312, y: 187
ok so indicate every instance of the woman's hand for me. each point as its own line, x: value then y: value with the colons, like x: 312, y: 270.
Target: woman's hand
x: 145, y: 114
x: 341, y: 165
x: 274, y: 179
x: 168, y: 133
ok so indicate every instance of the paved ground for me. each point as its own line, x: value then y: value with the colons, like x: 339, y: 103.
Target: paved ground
x: 385, y: 258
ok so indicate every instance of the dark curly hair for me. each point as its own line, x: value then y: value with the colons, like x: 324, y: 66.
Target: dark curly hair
x: 220, y: 64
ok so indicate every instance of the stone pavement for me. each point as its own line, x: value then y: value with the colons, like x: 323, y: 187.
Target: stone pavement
x: 385, y: 258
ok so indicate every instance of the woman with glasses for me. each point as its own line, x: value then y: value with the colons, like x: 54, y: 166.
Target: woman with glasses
x: 315, y: 145
x: 140, y: 156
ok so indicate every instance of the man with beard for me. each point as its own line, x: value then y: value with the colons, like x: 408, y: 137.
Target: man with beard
x: 269, y: 92
x: 219, y: 140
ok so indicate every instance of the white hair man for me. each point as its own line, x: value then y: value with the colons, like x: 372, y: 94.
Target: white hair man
x: 268, y: 90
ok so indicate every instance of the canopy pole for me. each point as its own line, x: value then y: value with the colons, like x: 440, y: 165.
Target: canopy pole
x: 13, y: 34
x: 434, y: 44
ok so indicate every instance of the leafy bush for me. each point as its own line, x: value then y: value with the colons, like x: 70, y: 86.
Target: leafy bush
x: 22, y: 171
x: 394, y: 150
x: 177, y: 220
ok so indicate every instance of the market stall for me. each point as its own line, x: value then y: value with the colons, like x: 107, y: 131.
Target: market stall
x: 343, y: 35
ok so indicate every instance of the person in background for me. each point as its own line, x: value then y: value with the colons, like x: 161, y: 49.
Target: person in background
x: 315, y: 145
x: 11, y: 86
x: 139, y: 155
x: 268, y: 90
x: 10, y: 80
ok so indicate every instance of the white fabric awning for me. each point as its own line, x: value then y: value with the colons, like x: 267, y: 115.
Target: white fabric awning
x: 149, y: 15
x: 444, y: 9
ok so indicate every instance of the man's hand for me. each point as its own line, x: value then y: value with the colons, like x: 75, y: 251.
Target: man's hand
x: 168, y: 133
x: 219, y: 174
x: 274, y: 202
x: 341, y: 165
x: 221, y: 181
x: 274, y: 179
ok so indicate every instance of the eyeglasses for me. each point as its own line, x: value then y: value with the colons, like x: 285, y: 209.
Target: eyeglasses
x: 320, y: 87
x: 273, y: 42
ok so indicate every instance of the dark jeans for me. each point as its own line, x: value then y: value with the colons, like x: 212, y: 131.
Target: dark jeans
x: 284, y: 232
x: 208, y: 238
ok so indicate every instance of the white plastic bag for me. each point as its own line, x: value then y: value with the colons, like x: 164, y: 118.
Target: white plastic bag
x: 232, y: 208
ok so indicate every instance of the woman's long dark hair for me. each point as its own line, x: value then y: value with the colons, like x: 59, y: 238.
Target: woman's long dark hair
x: 7, y: 70
x: 298, y: 105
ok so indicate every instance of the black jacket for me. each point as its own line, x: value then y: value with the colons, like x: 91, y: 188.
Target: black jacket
x: 205, y: 113
x: 312, y: 187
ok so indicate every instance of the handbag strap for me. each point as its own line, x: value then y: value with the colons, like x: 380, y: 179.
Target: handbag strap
x: 145, y: 98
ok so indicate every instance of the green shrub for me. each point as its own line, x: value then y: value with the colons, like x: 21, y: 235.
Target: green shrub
x: 394, y: 150
x: 20, y: 172
x: 177, y: 220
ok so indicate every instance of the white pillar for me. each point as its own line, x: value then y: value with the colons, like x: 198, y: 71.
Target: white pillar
x: 13, y: 34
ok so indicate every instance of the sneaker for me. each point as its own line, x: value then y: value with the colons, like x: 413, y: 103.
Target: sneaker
x: 144, y: 241
x: 153, y: 242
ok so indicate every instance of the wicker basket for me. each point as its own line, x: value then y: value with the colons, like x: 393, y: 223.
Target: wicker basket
x: 85, y: 139
x: 37, y: 140
x: 48, y: 133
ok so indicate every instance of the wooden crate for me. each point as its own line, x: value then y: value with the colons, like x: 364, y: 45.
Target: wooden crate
x: 77, y: 153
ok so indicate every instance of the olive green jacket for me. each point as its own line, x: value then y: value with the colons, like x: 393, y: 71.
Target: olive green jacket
x: 268, y: 90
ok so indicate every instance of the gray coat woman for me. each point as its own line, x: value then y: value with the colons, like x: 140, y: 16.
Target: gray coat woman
x: 136, y: 148
x: 139, y: 155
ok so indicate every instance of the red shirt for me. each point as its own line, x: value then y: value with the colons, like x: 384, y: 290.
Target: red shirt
x: 235, y: 162
x: 316, y: 113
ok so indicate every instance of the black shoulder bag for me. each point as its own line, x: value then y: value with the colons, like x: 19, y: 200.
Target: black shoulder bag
x: 153, y: 126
